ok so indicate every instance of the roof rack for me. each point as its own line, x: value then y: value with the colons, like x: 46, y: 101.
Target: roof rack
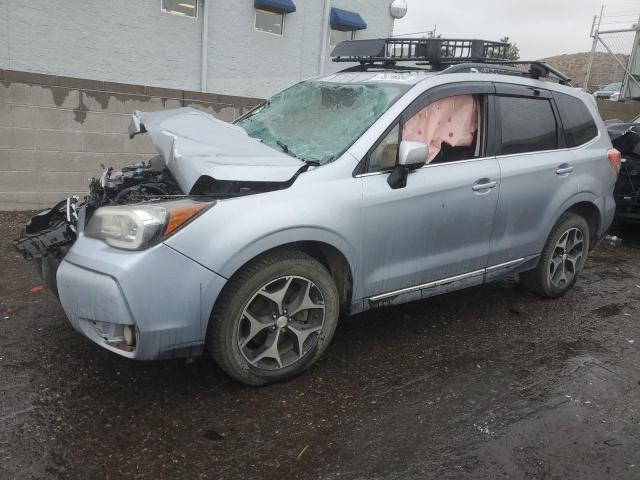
x: 537, y: 69
x: 432, y: 50
x: 441, y: 54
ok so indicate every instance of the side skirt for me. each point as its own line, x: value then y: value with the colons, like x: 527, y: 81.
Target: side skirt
x: 446, y: 285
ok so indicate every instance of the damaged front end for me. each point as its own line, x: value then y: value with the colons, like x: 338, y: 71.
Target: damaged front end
x: 626, y: 138
x: 47, y: 237
x: 199, y: 157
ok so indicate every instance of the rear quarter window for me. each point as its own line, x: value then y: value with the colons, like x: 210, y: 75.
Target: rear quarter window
x: 528, y: 125
x: 578, y: 123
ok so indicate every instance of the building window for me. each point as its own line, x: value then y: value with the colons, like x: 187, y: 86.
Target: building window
x: 270, y: 22
x: 185, y: 8
x: 337, y: 36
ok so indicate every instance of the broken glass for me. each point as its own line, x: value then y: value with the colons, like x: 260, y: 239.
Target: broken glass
x: 317, y: 121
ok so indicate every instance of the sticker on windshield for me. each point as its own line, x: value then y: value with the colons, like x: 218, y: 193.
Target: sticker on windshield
x: 397, y: 76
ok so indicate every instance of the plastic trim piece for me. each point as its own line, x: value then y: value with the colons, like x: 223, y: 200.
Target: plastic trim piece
x: 444, y: 281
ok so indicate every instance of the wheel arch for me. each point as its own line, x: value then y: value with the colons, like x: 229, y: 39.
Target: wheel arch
x: 332, y: 254
x: 588, y: 206
x: 590, y: 212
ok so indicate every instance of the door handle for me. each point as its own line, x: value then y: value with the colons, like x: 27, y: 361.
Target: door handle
x: 478, y: 187
x: 564, y: 169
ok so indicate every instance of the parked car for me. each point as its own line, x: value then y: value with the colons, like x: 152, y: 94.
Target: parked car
x: 625, y: 137
x: 367, y: 188
x: 610, y: 91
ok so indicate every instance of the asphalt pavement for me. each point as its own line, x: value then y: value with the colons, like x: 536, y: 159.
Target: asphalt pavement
x: 490, y: 382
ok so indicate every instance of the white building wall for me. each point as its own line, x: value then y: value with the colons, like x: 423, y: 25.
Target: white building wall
x: 132, y: 41
x: 129, y: 41
x: 258, y: 64
x: 4, y: 34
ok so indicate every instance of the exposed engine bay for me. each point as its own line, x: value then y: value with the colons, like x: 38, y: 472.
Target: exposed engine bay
x: 53, y: 231
x: 49, y: 235
x: 200, y: 157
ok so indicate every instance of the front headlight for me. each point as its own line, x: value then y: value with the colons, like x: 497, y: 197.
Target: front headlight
x: 135, y: 227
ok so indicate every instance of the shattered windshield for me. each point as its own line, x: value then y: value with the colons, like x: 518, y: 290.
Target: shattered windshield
x: 317, y: 121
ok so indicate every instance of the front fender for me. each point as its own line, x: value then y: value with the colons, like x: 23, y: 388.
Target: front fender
x: 235, y: 231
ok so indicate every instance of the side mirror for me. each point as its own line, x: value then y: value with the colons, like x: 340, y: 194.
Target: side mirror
x: 411, y: 156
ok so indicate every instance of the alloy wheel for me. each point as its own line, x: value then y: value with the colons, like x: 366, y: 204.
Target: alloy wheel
x: 566, y: 257
x: 281, y: 323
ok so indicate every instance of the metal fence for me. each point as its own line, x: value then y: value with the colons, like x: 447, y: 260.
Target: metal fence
x: 615, y: 45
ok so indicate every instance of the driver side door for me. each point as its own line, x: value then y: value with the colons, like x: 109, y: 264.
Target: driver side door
x: 439, y: 226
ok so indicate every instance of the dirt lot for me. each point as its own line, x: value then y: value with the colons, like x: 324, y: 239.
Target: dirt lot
x: 490, y: 382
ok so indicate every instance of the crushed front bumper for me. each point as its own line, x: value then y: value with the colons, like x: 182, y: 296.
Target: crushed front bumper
x: 163, y: 295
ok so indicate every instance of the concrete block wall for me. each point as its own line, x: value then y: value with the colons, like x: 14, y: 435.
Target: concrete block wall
x: 625, y: 111
x: 56, y: 132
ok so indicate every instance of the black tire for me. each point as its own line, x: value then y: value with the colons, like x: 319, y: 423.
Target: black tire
x: 223, y: 331
x: 539, y: 280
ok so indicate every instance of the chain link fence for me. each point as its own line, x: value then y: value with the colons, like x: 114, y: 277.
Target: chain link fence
x: 615, y: 38
x: 610, y: 58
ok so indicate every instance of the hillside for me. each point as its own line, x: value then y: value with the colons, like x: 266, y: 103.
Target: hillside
x: 605, y: 69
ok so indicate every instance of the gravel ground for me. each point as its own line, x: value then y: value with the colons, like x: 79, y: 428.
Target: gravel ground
x: 490, y: 382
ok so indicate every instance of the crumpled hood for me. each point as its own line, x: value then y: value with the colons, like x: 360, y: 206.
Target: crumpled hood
x: 193, y: 143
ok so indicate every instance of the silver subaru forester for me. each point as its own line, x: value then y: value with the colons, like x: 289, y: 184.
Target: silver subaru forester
x: 355, y: 190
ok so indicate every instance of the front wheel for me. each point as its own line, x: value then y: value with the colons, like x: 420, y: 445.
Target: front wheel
x: 562, y: 259
x: 274, y: 318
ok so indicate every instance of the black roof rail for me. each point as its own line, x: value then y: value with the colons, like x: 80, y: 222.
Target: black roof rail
x: 441, y: 54
x: 536, y: 69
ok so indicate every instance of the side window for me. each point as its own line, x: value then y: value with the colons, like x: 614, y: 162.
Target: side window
x: 449, y: 126
x: 452, y: 127
x: 579, y: 126
x: 528, y: 125
x: 384, y: 156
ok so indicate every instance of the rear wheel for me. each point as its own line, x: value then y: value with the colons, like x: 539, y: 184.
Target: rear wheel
x: 562, y: 259
x: 274, y: 318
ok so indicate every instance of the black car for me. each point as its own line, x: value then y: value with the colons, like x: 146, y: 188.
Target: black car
x: 625, y: 136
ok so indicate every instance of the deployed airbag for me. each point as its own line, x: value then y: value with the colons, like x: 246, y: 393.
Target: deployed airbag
x: 452, y: 120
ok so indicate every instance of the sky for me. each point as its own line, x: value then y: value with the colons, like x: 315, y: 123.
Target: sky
x: 543, y: 28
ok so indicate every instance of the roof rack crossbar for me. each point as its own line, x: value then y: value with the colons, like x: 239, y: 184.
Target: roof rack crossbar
x: 433, y: 50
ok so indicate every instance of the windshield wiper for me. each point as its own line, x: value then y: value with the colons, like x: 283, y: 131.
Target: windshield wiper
x: 285, y: 148
x: 252, y: 112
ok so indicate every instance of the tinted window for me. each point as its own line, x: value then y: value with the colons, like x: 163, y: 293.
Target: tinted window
x: 528, y: 125
x: 577, y: 121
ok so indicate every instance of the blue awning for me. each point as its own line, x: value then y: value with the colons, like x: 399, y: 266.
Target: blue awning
x: 278, y: 6
x: 346, y: 21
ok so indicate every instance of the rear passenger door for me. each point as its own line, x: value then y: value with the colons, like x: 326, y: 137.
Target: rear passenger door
x: 536, y: 170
